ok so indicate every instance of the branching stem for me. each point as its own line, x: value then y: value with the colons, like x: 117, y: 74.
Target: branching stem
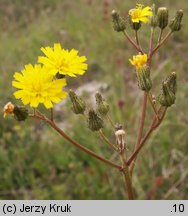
x: 139, y: 49
x: 161, y: 43
x: 110, y: 120
x: 73, y: 142
x: 141, y: 127
x: 154, y: 125
x: 127, y: 176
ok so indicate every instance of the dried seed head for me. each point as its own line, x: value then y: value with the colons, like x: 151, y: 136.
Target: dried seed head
x: 120, y: 139
x: 118, y: 126
x: 8, y: 109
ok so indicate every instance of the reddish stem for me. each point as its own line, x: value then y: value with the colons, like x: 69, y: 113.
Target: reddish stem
x: 153, y: 126
x: 132, y: 42
x: 73, y: 142
x: 142, y: 120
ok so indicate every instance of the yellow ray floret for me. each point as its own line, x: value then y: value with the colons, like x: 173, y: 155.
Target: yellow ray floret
x: 139, y: 60
x: 37, y: 86
x: 58, y: 60
x: 140, y: 14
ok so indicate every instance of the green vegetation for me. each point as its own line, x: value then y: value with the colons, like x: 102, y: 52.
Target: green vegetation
x: 35, y: 162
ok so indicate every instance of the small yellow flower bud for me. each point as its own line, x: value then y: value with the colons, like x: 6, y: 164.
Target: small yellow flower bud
x: 95, y: 122
x: 78, y: 105
x: 20, y: 113
x: 162, y: 17
x: 175, y: 23
x: 8, y: 109
x: 119, y: 23
x: 102, y: 105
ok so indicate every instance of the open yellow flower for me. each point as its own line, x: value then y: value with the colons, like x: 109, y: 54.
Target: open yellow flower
x: 140, y: 14
x: 58, y: 60
x: 139, y: 60
x: 37, y: 86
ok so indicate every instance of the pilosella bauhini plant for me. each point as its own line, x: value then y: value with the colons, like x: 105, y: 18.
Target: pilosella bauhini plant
x: 44, y: 82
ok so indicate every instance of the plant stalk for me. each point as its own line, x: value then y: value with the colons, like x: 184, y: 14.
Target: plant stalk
x: 127, y: 177
x: 141, y: 127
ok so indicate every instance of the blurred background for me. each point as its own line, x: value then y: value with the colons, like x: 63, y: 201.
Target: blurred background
x: 35, y: 162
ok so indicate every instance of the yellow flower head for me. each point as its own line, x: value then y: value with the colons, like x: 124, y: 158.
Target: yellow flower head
x: 8, y: 109
x: 37, y: 86
x: 140, y: 14
x: 63, y: 61
x: 139, y: 60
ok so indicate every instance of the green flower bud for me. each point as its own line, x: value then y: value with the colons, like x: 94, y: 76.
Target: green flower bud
x: 172, y: 83
x: 167, y: 97
x: 95, y: 122
x: 102, y: 105
x: 162, y: 17
x: 175, y: 23
x: 153, y: 19
x: 20, y: 113
x: 59, y: 76
x: 78, y: 105
x: 119, y: 23
x: 143, y: 77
